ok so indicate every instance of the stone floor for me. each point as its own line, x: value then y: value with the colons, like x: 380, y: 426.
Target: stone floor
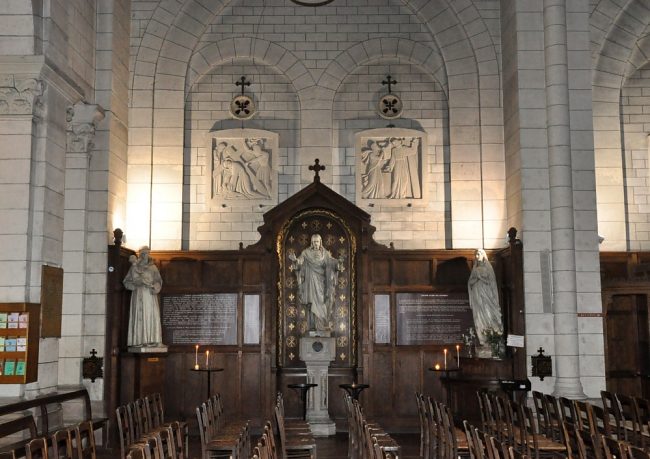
x: 335, y: 447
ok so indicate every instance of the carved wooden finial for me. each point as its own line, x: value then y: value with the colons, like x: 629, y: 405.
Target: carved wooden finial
x: 316, y: 168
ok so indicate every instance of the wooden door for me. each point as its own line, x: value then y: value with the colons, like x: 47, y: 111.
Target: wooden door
x: 626, y: 325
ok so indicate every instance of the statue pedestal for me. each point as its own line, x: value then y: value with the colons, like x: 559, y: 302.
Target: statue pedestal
x: 317, y: 353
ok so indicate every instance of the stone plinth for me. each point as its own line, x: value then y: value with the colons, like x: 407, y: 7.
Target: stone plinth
x: 317, y: 353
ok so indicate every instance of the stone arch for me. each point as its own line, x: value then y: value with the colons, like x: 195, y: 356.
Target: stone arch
x: 620, y: 53
x: 259, y: 50
x: 376, y: 48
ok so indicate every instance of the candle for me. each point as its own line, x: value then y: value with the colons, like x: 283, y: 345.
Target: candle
x: 437, y: 366
x: 458, y: 354
x: 196, y: 356
x: 445, y: 351
x: 207, y: 359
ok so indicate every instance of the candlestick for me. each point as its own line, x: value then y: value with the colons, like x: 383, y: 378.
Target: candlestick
x: 458, y: 354
x: 445, y: 351
x: 207, y: 359
x: 196, y: 356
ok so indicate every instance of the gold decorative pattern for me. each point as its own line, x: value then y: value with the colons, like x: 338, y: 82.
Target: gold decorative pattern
x: 291, y: 311
x: 291, y: 356
x: 294, y: 236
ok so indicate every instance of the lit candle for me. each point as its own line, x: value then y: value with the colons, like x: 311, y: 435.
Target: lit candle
x: 207, y: 359
x: 196, y: 357
x: 445, y: 351
x: 458, y: 354
x: 437, y: 366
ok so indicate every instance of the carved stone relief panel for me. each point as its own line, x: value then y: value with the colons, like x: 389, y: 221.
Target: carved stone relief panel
x: 242, y: 167
x: 391, y: 166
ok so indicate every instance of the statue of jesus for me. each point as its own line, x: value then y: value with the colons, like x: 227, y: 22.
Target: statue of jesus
x: 316, y: 272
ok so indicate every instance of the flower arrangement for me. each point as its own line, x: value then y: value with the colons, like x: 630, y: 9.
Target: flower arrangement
x: 494, y: 339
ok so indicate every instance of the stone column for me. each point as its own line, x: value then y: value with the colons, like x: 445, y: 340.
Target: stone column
x: 567, y: 364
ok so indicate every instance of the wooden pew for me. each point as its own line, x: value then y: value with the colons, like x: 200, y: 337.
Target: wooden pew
x: 41, y: 403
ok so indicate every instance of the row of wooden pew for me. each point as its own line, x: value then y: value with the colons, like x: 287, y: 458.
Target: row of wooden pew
x: 588, y: 430
x: 74, y: 442
x: 143, y: 431
x: 367, y: 439
x: 296, y: 438
x: 221, y: 437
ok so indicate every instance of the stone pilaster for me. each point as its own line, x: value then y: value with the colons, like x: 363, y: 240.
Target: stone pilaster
x: 82, y: 119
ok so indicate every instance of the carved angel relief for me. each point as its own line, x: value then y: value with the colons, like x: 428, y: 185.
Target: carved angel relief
x: 389, y: 165
x: 242, y: 166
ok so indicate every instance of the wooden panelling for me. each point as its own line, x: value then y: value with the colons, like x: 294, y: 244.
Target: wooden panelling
x: 183, y: 273
x: 412, y: 272
x: 221, y: 273
x: 380, y: 272
x: 253, y: 272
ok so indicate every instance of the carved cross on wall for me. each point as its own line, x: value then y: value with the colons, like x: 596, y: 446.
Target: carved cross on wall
x: 389, y: 81
x: 242, y: 82
x: 316, y: 168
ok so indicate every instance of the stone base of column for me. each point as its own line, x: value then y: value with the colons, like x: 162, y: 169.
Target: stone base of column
x: 324, y: 428
x: 570, y: 388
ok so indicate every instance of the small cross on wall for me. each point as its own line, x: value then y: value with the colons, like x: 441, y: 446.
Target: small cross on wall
x: 242, y: 82
x: 389, y: 81
x: 316, y: 168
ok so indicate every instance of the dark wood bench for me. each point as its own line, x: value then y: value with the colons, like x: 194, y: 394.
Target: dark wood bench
x: 41, y: 403
x: 18, y: 426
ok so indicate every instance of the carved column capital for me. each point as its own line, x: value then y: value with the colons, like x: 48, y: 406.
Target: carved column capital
x: 82, y: 119
x: 20, y: 96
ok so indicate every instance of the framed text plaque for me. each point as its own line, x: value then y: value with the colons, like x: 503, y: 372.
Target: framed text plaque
x: 432, y: 318
x: 251, y: 319
x: 204, y: 319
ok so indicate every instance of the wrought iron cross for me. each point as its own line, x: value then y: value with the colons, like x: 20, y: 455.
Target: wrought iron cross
x: 316, y: 168
x: 389, y: 81
x: 242, y: 82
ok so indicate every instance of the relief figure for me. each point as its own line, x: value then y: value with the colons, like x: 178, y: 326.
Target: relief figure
x: 373, y: 179
x: 403, y: 166
x: 231, y: 179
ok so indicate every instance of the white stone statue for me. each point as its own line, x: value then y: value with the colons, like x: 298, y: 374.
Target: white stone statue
x: 316, y: 271
x: 484, y: 299
x: 144, y: 280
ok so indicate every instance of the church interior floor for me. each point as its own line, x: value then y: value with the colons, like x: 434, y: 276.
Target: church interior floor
x: 335, y: 447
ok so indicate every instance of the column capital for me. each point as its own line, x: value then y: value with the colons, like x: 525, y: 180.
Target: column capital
x: 82, y: 120
x: 21, y: 96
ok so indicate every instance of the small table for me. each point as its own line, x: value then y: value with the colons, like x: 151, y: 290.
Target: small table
x: 354, y: 389
x: 444, y: 378
x: 209, y: 371
x: 304, y: 388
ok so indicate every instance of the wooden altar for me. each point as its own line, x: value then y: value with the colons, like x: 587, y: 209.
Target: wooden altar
x: 255, y: 371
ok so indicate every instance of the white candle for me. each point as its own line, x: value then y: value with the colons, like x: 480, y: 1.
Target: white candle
x: 445, y: 350
x: 437, y: 366
x: 207, y: 359
x: 196, y: 356
x: 458, y: 354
